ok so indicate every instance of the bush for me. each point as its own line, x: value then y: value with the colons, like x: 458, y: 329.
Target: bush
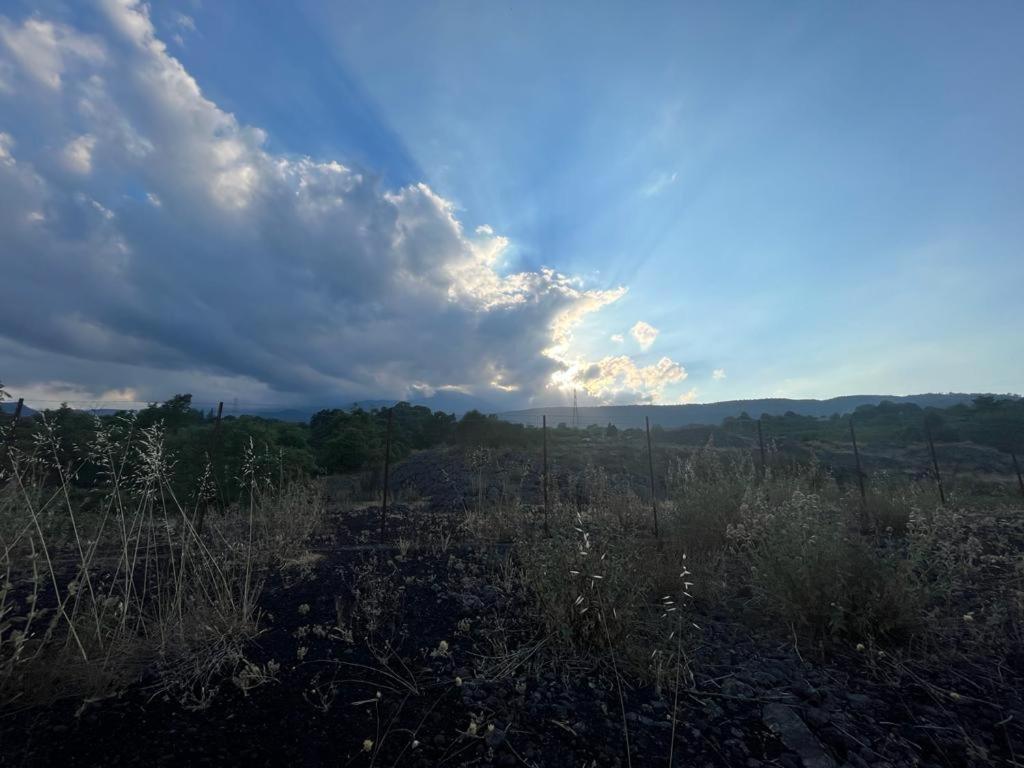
x: 809, y: 567
x: 707, y: 492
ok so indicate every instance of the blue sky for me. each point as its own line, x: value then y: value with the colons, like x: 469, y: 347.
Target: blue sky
x: 811, y: 199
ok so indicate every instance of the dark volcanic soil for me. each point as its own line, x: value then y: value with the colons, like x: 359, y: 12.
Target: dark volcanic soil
x: 330, y: 700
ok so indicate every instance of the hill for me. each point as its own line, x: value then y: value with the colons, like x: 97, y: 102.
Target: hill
x: 10, y: 405
x: 709, y: 414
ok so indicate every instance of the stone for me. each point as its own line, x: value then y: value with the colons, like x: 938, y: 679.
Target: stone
x: 797, y: 737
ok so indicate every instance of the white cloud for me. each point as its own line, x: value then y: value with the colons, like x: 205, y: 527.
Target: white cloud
x: 313, y: 281
x: 619, y: 378
x: 690, y: 396
x: 644, y: 333
x: 617, y: 338
x: 43, y: 50
x: 718, y: 374
x: 659, y: 184
x: 78, y: 154
x: 6, y: 145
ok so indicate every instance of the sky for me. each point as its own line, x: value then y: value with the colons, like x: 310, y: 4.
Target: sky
x: 316, y: 202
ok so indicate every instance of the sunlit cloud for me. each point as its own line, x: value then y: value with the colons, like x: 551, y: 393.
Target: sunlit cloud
x: 313, y: 280
x: 644, y: 333
x: 690, y: 396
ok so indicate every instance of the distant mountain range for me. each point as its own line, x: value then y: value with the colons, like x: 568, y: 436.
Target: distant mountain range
x: 622, y: 416
x: 448, y: 402
x: 710, y: 414
x: 10, y: 405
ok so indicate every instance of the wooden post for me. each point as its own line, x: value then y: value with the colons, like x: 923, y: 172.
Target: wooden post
x: 387, y: 468
x: 650, y: 466
x: 760, y: 441
x: 1016, y: 468
x: 935, y: 461
x: 544, y: 434
x: 860, y: 481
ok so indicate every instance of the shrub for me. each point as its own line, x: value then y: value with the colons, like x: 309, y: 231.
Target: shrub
x: 707, y: 491
x: 810, y: 568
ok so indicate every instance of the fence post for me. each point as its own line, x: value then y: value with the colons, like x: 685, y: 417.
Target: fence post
x: 9, y: 440
x: 387, y: 468
x: 935, y: 461
x: 214, y: 452
x: 544, y: 435
x: 760, y: 442
x: 14, y: 421
x: 860, y: 481
x: 650, y: 466
x: 1016, y: 468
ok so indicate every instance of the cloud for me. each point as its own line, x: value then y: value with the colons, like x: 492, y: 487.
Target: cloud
x: 690, y: 396
x: 184, y: 255
x: 644, y: 333
x: 617, y: 338
x: 618, y: 378
x: 718, y: 374
x: 659, y: 183
x: 184, y: 21
x: 78, y: 154
x: 42, y: 50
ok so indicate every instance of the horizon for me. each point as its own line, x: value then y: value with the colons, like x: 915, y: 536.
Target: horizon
x: 670, y: 205
x: 274, y: 411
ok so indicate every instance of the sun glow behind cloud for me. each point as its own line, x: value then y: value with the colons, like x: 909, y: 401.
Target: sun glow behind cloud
x: 247, y: 269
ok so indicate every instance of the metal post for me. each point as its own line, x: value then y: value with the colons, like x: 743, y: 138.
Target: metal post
x: 860, y: 481
x: 544, y: 431
x: 760, y: 441
x: 14, y: 423
x: 1016, y: 468
x: 387, y: 468
x: 650, y: 466
x: 214, y: 453
x: 17, y: 418
x: 935, y: 461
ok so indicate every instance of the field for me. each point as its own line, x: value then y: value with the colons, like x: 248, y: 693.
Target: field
x: 776, y: 616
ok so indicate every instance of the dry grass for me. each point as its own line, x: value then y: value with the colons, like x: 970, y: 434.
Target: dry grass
x: 103, y: 588
x: 792, y: 540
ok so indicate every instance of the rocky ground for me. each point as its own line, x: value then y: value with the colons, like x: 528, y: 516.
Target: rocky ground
x: 397, y: 655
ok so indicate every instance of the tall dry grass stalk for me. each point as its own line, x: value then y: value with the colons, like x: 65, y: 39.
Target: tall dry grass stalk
x: 105, y: 585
